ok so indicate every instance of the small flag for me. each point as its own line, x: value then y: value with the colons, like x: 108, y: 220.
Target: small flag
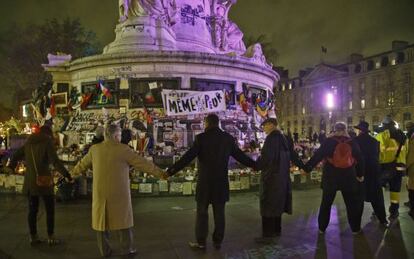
x: 324, y: 50
x: 105, y: 91
x: 149, y: 97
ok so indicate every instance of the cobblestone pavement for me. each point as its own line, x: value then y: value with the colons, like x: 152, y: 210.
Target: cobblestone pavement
x: 163, y: 226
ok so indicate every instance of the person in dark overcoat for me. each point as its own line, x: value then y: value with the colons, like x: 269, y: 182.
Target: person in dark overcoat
x: 213, y: 149
x: 38, y: 153
x: 371, y: 188
x: 275, y: 184
x: 342, y: 179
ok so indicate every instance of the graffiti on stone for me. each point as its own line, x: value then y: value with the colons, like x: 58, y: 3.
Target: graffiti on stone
x: 189, y: 14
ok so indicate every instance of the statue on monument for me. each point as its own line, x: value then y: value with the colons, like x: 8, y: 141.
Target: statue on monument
x: 226, y: 34
x: 165, y: 10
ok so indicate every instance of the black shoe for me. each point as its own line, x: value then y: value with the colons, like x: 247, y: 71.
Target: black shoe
x: 217, y: 246
x: 394, y: 216
x: 35, y: 240
x: 384, y: 224
x: 264, y: 240
x: 197, y: 246
x: 356, y: 233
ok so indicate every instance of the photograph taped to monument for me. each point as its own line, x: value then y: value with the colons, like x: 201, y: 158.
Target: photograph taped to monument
x: 60, y: 99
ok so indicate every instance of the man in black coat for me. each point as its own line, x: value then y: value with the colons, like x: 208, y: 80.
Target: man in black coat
x: 336, y: 178
x: 275, y: 184
x: 213, y: 149
x: 371, y: 188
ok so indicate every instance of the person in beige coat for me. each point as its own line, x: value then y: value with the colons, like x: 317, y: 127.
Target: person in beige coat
x: 111, y: 197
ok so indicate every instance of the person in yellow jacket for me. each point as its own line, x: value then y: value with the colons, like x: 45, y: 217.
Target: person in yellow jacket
x: 393, y: 153
x: 410, y: 167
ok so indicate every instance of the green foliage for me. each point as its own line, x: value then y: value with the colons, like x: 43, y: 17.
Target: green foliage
x: 24, y: 48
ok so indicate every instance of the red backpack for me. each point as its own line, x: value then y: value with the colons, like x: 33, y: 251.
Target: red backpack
x: 342, y: 155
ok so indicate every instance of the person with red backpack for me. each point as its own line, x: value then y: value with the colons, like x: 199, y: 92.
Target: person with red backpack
x: 342, y: 170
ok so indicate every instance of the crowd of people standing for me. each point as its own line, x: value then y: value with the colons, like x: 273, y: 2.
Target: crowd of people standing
x: 358, y: 167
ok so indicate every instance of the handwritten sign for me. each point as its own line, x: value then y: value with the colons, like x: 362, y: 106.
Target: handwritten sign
x: 193, y: 102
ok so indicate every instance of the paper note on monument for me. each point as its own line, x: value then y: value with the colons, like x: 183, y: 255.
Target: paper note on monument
x: 181, y: 102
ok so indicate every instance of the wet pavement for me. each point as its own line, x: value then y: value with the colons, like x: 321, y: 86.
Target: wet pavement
x: 164, y: 225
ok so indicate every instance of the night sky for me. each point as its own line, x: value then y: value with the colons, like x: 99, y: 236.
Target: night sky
x: 297, y: 28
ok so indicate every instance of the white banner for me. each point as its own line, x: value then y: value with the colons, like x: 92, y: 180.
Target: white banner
x: 181, y: 102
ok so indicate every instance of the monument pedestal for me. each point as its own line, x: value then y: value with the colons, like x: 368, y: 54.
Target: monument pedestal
x: 142, y: 33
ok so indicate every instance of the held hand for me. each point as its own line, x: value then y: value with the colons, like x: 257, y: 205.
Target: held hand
x: 164, y: 176
x: 360, y: 179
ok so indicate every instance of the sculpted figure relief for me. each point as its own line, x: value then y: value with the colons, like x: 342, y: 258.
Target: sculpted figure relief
x: 226, y: 34
x: 160, y: 9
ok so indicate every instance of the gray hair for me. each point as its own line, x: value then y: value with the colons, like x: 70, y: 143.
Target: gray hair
x: 340, y: 126
x: 110, y: 131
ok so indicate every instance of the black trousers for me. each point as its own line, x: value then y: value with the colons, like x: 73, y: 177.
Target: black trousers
x: 201, y: 230
x: 271, y: 226
x: 377, y: 202
x: 49, y: 201
x: 352, y: 203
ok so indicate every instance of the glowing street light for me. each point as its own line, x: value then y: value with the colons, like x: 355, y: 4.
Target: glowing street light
x: 330, y: 102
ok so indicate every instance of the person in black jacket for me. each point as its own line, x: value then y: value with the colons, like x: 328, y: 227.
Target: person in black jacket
x: 213, y: 149
x: 371, y: 188
x: 343, y: 179
x: 275, y: 184
x: 38, y: 152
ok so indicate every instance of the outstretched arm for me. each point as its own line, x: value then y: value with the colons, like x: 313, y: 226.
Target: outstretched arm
x: 242, y: 157
x: 84, y: 164
x: 54, y: 159
x: 185, y: 159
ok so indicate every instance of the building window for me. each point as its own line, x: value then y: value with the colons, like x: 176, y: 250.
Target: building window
x: 377, y: 64
x: 376, y: 83
x: 391, y: 98
x: 400, y: 57
x: 384, y: 62
x: 376, y: 101
x: 350, y: 89
x: 290, y: 86
x: 407, y: 78
x: 303, y: 110
x: 357, y: 68
x: 370, y: 65
x: 283, y: 87
x: 407, y: 116
x: 361, y: 88
x: 350, y: 105
x: 311, y: 95
x: 407, y: 96
x: 363, y: 104
x: 393, y: 62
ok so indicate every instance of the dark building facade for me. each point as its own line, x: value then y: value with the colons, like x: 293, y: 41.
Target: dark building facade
x: 365, y: 88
